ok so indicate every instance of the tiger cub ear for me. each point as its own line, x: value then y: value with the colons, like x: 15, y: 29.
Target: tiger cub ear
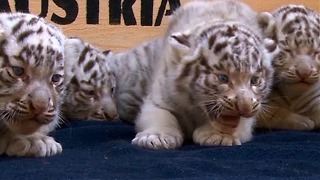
x: 267, y: 23
x: 181, y: 42
x: 184, y: 45
x: 73, y: 47
x: 271, y: 50
x: 181, y: 39
x: 106, y: 52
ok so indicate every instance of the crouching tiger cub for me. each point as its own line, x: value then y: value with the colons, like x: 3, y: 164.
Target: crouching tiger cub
x: 31, y: 84
x: 134, y: 72
x: 295, y: 100
x: 103, y: 85
x: 211, y: 80
x: 90, y: 85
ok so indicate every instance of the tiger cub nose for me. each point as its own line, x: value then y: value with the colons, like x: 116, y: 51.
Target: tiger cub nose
x: 303, y: 74
x: 38, y: 107
x: 246, y: 107
x: 39, y: 100
x: 303, y: 69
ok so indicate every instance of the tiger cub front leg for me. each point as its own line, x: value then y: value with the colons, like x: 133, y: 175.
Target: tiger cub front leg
x: 314, y: 115
x: 157, y: 129
x: 218, y: 132
x: 284, y: 119
x: 35, y: 145
x: 294, y: 121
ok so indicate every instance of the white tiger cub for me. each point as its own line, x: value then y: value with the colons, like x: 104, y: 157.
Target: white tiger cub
x: 212, y: 78
x: 134, y: 72
x: 90, y: 85
x: 31, y: 84
x: 295, y: 100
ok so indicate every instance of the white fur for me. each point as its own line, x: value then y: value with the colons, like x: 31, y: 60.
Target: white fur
x: 158, y: 129
x: 167, y: 116
x: 293, y: 105
x: 38, y: 143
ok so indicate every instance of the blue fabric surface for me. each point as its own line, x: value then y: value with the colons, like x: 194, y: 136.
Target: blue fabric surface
x: 103, y: 150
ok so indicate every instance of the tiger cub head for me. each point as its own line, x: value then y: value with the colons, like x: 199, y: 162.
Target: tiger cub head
x: 296, y: 29
x: 226, y: 67
x: 90, y: 86
x: 31, y: 75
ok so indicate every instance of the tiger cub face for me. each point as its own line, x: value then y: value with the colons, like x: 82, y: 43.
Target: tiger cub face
x: 90, y: 86
x: 31, y: 73
x: 296, y: 29
x: 229, y: 70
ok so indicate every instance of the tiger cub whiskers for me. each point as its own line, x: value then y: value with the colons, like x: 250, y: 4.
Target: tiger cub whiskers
x: 294, y: 102
x: 211, y: 79
x: 31, y: 84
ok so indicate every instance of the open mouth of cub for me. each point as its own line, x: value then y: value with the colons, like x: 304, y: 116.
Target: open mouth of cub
x: 230, y: 121
x: 226, y: 120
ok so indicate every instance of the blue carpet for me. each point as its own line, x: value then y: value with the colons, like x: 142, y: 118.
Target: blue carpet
x: 103, y: 150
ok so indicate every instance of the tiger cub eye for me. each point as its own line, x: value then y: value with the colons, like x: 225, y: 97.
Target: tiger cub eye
x: 254, y: 80
x: 18, y: 71
x: 56, y: 78
x: 223, y: 78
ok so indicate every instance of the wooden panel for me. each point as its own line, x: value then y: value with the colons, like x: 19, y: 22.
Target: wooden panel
x: 92, y: 21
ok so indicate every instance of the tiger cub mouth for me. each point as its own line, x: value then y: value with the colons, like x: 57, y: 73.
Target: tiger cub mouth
x: 229, y: 121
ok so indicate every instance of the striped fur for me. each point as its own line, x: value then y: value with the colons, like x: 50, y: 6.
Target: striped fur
x: 213, y: 75
x: 134, y: 71
x: 295, y: 100
x: 31, y: 84
x: 89, y: 84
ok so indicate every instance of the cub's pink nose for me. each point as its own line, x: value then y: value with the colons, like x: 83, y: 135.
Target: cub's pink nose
x: 304, y: 66
x: 39, y: 100
x: 38, y: 107
x: 303, y: 74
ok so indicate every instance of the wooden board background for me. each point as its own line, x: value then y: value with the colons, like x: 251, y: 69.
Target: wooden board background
x: 121, y: 37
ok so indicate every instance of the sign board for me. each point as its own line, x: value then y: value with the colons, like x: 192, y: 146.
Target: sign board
x: 118, y: 24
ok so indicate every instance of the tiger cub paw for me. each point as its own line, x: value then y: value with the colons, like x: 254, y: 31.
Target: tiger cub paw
x: 300, y: 123
x: 306, y: 125
x: 33, y: 146
x: 158, y: 140
x: 206, y: 136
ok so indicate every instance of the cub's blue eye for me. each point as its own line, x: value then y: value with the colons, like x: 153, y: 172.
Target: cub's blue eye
x: 56, y: 78
x: 18, y: 71
x: 223, y: 78
x: 254, y: 80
